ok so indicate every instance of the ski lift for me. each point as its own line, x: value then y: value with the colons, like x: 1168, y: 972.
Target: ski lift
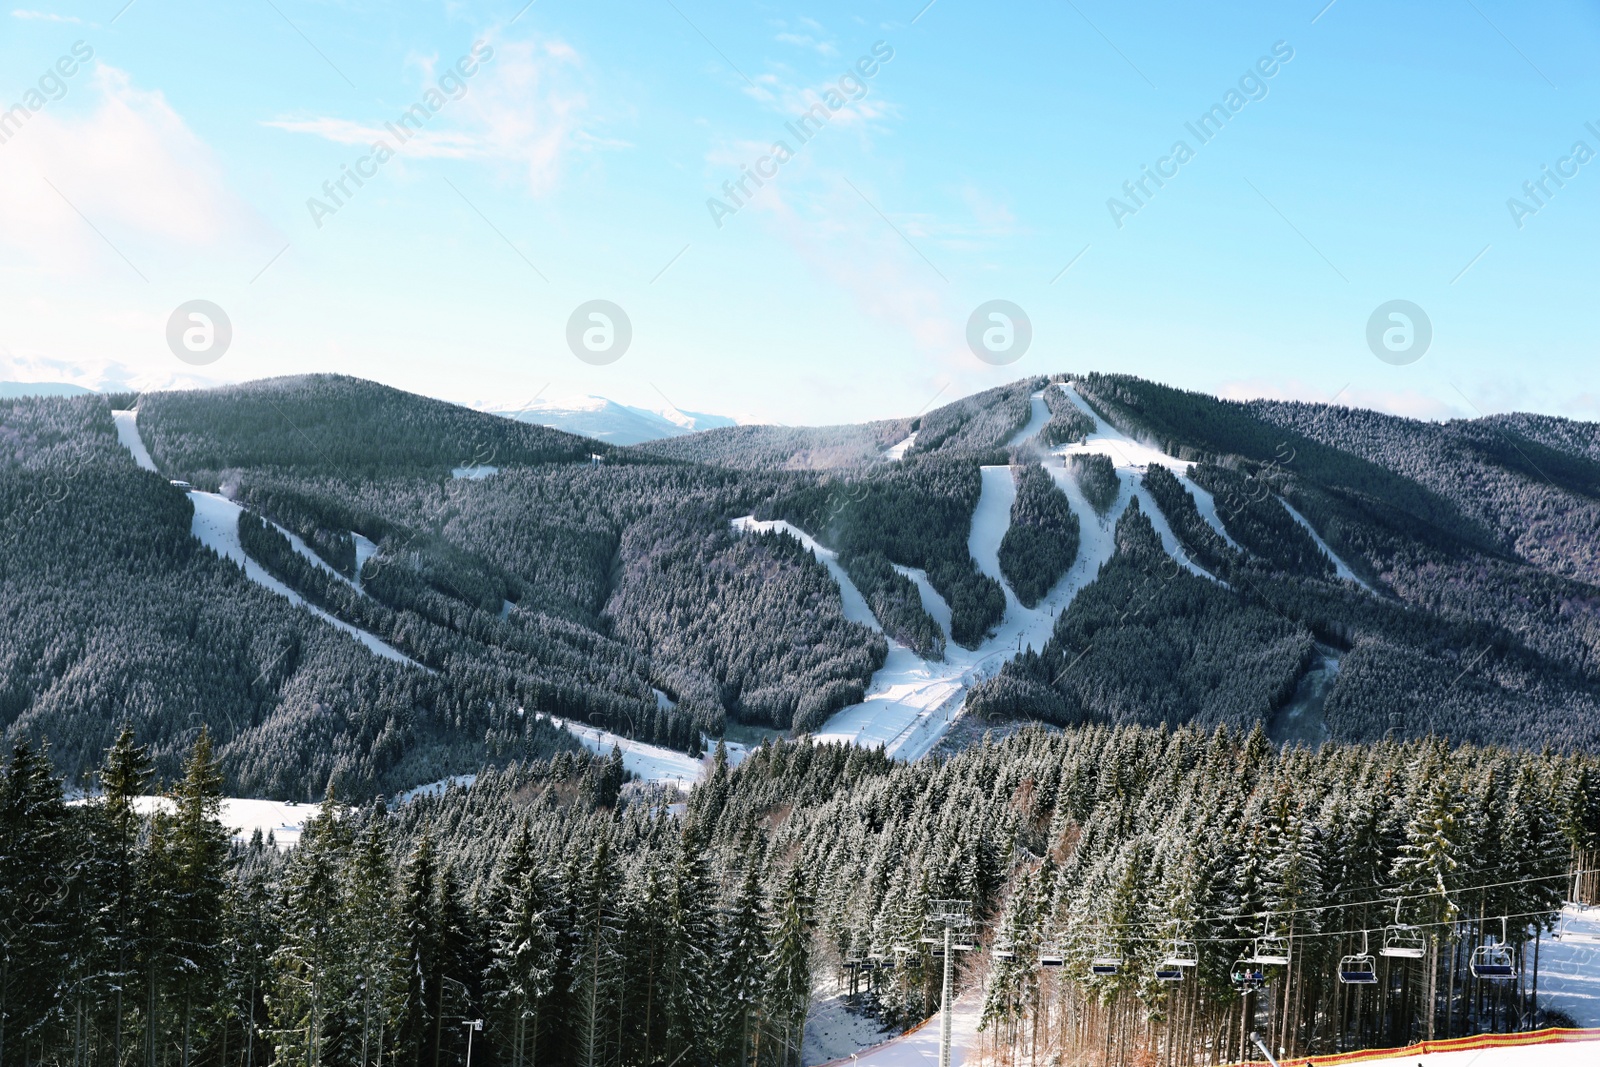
x: 1271, y: 950
x: 1183, y: 954
x: 1247, y: 975
x: 1003, y: 950
x: 1401, y: 941
x: 1106, y: 961
x: 1167, y: 972
x: 1494, y: 960
x: 1050, y: 955
x: 1359, y: 968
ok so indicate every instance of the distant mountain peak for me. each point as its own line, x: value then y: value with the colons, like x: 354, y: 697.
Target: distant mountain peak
x: 614, y: 423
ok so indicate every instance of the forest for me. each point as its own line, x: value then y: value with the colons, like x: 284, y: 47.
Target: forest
x: 606, y: 585
x: 589, y: 920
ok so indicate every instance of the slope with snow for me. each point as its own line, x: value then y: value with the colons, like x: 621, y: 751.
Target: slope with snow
x: 650, y: 762
x: 1569, y: 968
x: 920, y: 1047
x: 898, y: 449
x: 1038, y: 415
x: 1340, y: 567
x: 216, y: 525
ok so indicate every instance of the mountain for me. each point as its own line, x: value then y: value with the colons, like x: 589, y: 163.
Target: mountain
x: 363, y: 586
x: 614, y: 423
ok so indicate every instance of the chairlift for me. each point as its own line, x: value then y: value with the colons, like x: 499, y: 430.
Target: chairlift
x: 1247, y: 975
x: 1270, y: 950
x: 1050, y: 955
x: 1003, y: 950
x: 1167, y: 972
x: 1494, y: 960
x: 1182, y: 954
x: 1359, y: 968
x: 1401, y: 941
x: 1106, y: 961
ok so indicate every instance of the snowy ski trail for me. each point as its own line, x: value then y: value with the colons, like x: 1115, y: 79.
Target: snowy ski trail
x: 1340, y: 567
x: 920, y: 1047
x: 1038, y: 415
x: 216, y: 525
x: 649, y: 762
x: 898, y: 449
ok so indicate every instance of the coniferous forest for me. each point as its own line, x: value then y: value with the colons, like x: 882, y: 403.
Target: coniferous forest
x: 1332, y: 682
x: 590, y: 921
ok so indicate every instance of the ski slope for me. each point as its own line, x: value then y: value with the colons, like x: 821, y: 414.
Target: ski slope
x: 1569, y: 970
x: 216, y: 525
x: 1038, y: 415
x: 652, y: 763
x: 920, y: 1047
x: 1340, y: 567
x: 898, y: 449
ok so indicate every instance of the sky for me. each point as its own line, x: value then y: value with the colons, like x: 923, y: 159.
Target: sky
x: 1321, y: 161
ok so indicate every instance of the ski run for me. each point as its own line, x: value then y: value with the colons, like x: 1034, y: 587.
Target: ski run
x: 911, y: 701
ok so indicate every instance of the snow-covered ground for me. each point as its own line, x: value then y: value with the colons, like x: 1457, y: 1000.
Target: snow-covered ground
x: 216, y: 525
x: 833, y: 1031
x: 1340, y: 567
x: 1569, y: 968
x: 474, y: 473
x: 128, y: 437
x: 365, y: 550
x: 920, y: 1048
x: 649, y: 762
x: 898, y: 449
x: 244, y: 816
x: 1038, y: 415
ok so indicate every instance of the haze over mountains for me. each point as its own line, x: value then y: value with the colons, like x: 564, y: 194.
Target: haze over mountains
x: 1081, y: 549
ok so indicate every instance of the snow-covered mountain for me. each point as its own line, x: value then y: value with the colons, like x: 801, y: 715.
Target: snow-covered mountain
x: 11, y: 390
x: 617, y: 424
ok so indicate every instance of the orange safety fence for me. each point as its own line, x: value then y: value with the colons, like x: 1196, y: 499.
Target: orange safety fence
x: 1552, y: 1036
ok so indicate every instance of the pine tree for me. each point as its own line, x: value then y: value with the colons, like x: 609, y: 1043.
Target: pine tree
x: 788, y: 964
x: 198, y: 853
x: 124, y: 777
x: 524, y: 946
x: 372, y: 920
x: 742, y: 946
x: 311, y: 967
x: 33, y: 858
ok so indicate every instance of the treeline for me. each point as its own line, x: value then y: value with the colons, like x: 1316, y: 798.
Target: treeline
x: 982, y: 422
x: 895, y: 602
x: 586, y: 922
x: 1042, y: 541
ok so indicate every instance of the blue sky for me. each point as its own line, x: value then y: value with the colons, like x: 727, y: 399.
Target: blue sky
x: 576, y: 163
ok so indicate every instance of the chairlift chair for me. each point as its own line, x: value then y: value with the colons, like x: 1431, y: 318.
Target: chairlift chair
x: 1247, y: 975
x: 1359, y: 968
x: 1050, y: 955
x: 1106, y: 962
x: 1493, y: 960
x: 1271, y: 951
x: 1167, y: 972
x: 1183, y: 954
x: 1003, y: 950
x: 1401, y: 941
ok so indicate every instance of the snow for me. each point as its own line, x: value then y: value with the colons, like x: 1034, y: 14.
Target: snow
x: 365, y: 550
x: 649, y: 762
x: 473, y: 474
x: 898, y: 450
x: 834, y: 1031
x: 244, y: 816
x: 216, y: 525
x: 932, y: 602
x: 1569, y: 970
x: 1340, y: 567
x: 128, y: 435
x: 1206, y: 504
x: 911, y: 701
x: 433, y: 789
x: 920, y: 1047
x: 1038, y: 415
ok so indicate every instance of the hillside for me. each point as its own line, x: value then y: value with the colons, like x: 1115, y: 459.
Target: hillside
x: 1084, y: 549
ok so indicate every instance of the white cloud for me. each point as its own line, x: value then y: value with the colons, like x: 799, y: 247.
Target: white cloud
x: 127, y: 161
x: 524, y: 108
